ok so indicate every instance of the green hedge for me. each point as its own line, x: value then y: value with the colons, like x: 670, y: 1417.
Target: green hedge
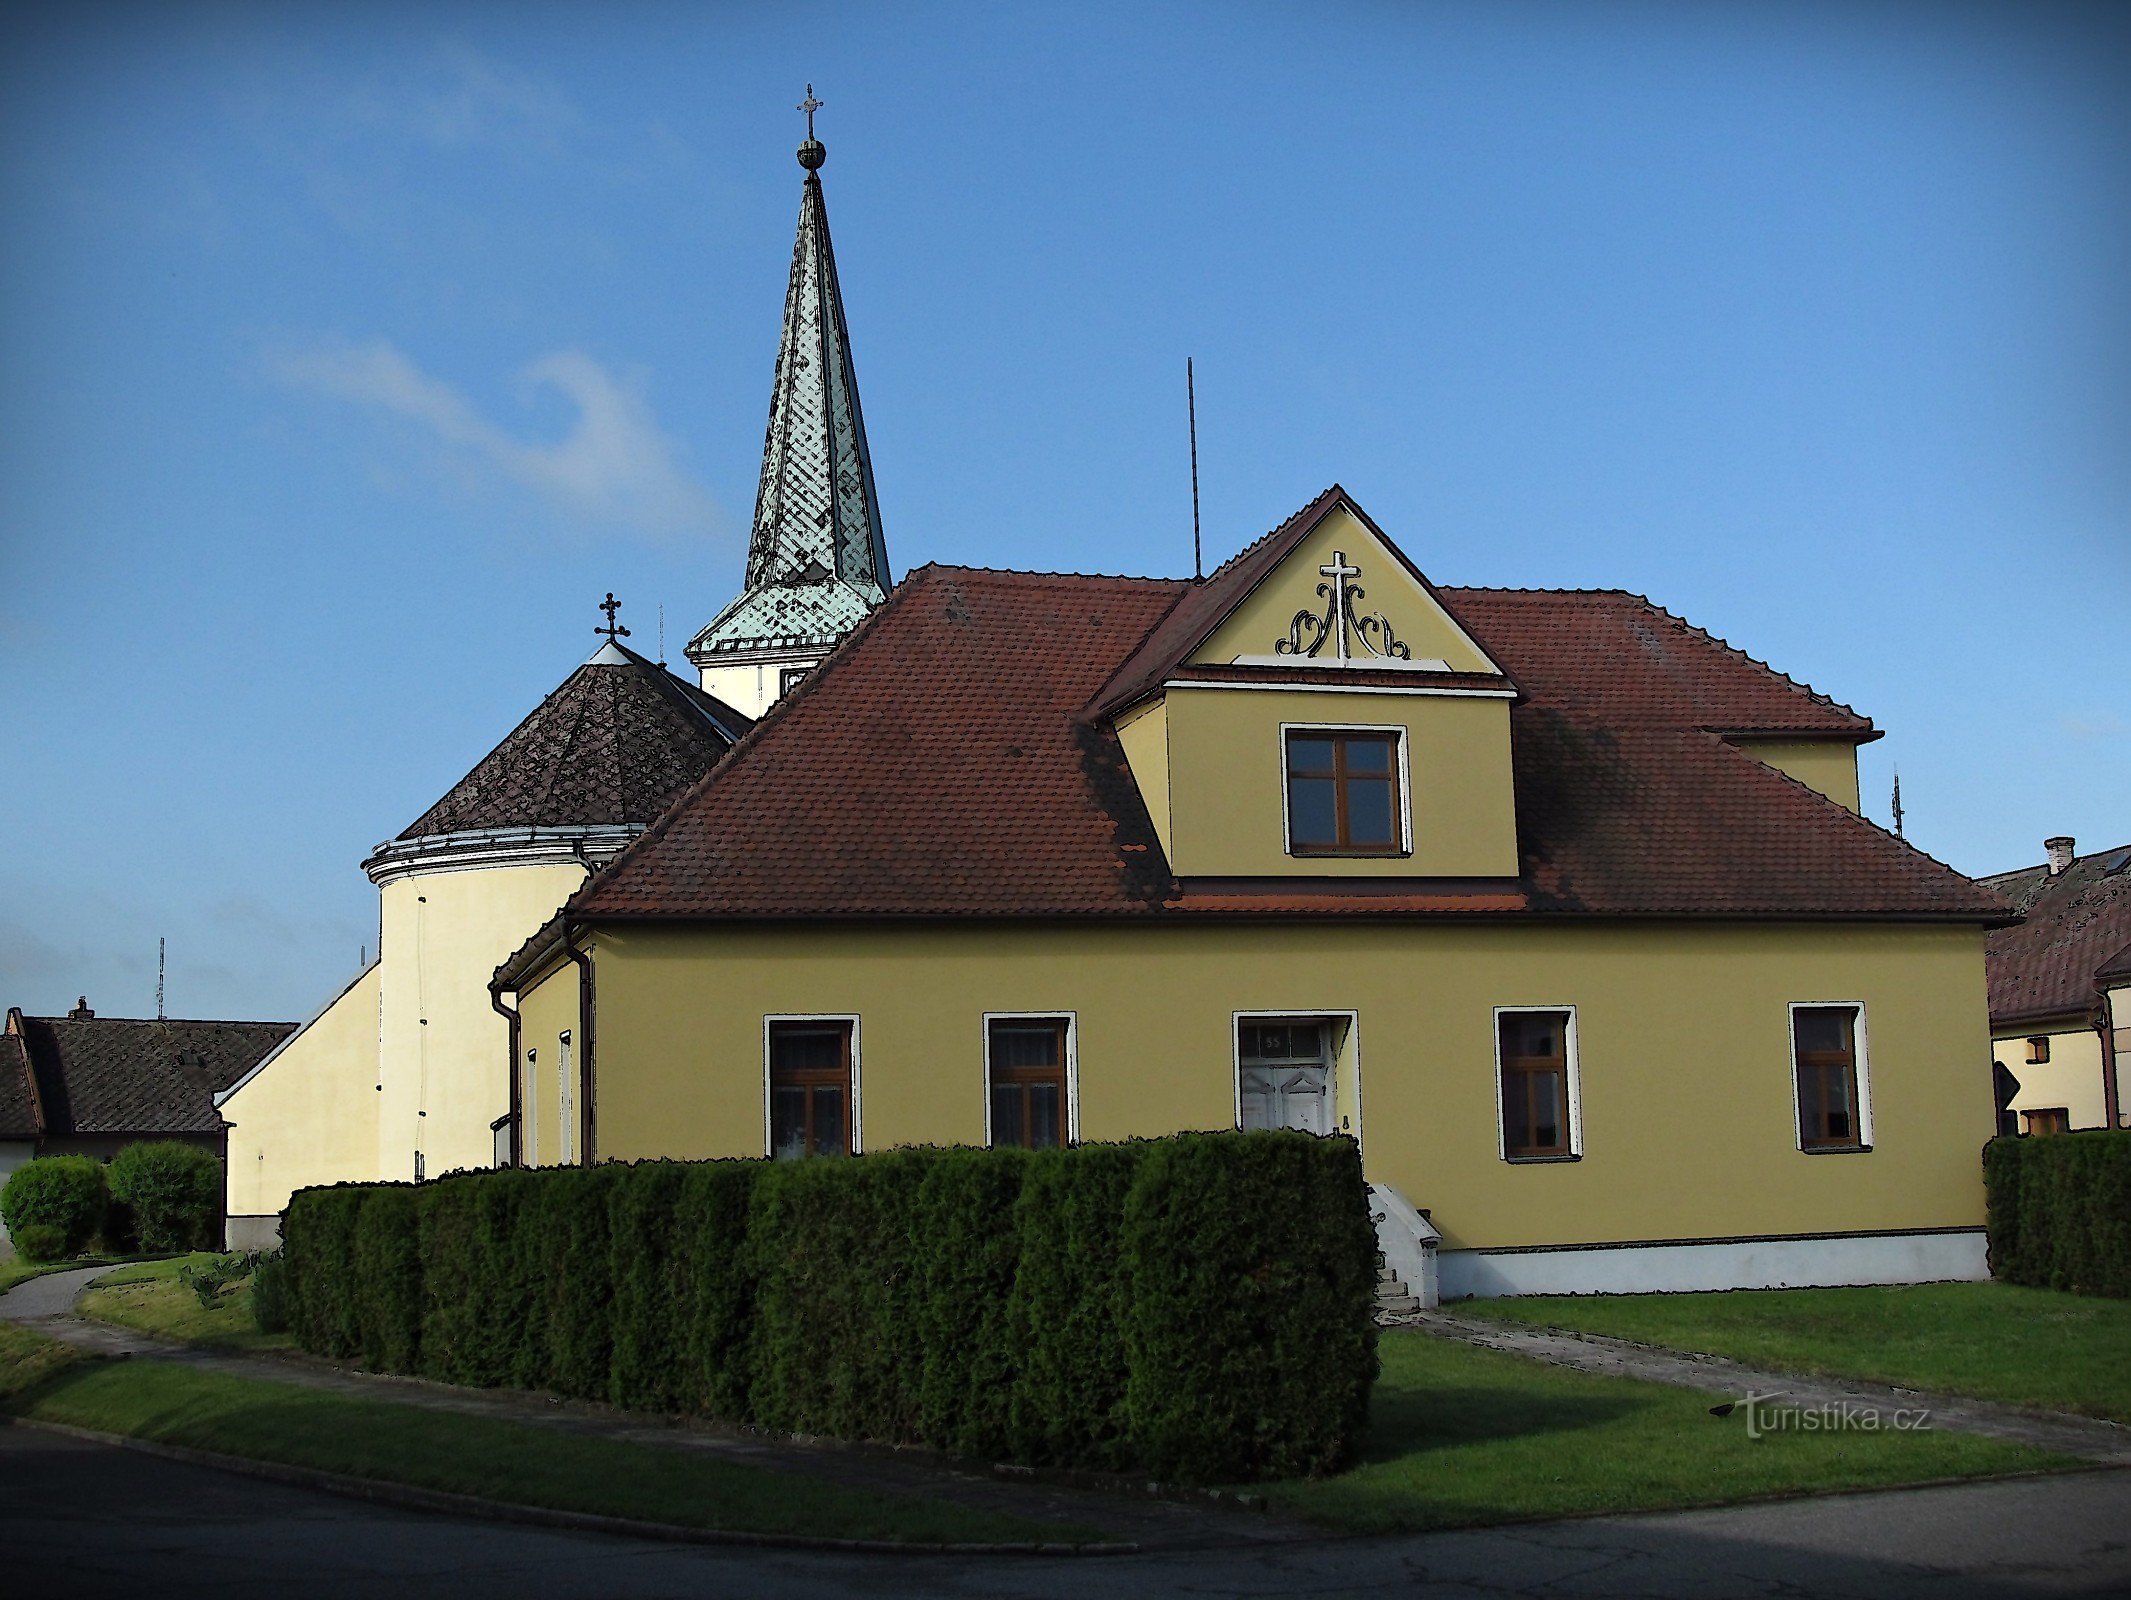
x: 2059, y: 1209
x: 1198, y: 1307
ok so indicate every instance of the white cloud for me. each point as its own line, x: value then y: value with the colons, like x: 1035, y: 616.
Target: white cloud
x: 614, y: 468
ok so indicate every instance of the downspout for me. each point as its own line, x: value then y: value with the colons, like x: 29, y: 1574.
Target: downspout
x: 510, y: 1016
x: 586, y: 1012
x: 2111, y: 1114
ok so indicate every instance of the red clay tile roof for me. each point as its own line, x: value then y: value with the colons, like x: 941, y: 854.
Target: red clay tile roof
x: 2077, y: 922
x: 940, y: 764
x: 119, y: 1075
x: 18, y: 1100
x: 616, y: 742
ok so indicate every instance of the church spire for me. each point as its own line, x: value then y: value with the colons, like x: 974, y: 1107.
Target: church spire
x: 816, y: 558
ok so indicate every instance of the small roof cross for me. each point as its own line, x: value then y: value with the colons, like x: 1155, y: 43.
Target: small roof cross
x: 810, y: 105
x: 613, y: 630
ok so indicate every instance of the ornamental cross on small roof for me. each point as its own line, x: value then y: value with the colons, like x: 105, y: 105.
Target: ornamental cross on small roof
x: 810, y: 105
x: 613, y: 630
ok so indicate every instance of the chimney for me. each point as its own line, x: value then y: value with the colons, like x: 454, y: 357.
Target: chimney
x: 2060, y: 849
x: 81, y: 1011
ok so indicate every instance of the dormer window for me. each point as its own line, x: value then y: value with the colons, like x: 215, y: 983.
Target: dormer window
x: 1345, y: 792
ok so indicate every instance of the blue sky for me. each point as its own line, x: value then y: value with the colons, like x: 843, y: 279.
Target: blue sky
x: 352, y: 353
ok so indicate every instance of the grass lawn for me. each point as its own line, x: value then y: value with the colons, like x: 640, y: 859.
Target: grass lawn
x: 1996, y: 1341
x: 149, y: 1299
x: 1461, y: 1437
x: 523, y: 1464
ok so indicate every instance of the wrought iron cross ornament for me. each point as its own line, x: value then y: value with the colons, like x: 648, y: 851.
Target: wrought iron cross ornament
x: 613, y: 629
x: 810, y: 105
x: 1339, y: 622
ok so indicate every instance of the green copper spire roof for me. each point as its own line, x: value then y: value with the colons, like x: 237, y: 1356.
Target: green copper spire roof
x: 816, y: 559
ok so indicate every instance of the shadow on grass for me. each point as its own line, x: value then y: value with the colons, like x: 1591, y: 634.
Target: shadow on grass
x: 1410, y: 1416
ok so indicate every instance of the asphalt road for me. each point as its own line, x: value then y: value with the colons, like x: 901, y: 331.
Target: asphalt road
x: 80, y: 1519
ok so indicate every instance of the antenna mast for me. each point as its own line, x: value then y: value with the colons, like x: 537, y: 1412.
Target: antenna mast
x: 1191, y: 406
x: 1898, y: 803
x: 161, y: 949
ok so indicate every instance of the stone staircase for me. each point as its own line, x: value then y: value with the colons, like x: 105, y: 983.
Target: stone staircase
x: 1405, y: 1253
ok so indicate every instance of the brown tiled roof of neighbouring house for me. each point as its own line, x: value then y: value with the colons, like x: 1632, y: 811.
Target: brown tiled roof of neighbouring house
x: 615, y: 743
x: 943, y: 764
x: 2077, y: 921
x: 127, y: 1076
x: 18, y: 1091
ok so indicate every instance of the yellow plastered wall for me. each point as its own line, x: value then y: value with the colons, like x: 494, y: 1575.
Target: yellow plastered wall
x: 545, y: 1013
x: 2071, y: 1078
x: 1828, y: 765
x: 1262, y: 620
x: 1689, y: 1124
x: 1144, y: 734
x: 443, y: 1047
x: 1226, y: 776
x: 310, y: 1116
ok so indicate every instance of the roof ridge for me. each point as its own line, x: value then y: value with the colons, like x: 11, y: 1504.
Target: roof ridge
x: 1721, y: 643
x: 1035, y: 572
x: 210, y: 1022
x: 1270, y: 534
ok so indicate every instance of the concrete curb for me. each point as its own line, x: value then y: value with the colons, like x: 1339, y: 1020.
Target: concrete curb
x: 380, y: 1492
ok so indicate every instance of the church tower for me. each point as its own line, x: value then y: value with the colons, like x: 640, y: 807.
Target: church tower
x: 816, y: 560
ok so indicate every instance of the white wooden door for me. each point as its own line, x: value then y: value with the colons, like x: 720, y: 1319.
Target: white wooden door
x: 1284, y: 1073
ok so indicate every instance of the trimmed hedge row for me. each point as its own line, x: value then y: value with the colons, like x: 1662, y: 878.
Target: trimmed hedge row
x: 2059, y: 1211
x: 1199, y: 1307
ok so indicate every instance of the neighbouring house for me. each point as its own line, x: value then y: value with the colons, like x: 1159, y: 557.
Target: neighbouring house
x: 2053, y: 982
x: 1557, y: 904
x: 88, y: 1085
x: 405, y: 1074
x: 402, y: 1075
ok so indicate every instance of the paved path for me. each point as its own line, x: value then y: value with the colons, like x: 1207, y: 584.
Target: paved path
x: 84, y: 1521
x: 46, y: 1304
x: 2087, y: 1438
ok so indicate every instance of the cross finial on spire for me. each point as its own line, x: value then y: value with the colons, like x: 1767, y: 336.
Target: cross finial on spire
x: 813, y: 153
x: 613, y: 630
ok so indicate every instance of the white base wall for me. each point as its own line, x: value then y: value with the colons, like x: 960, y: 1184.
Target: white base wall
x: 1862, y: 1258
x: 252, y: 1233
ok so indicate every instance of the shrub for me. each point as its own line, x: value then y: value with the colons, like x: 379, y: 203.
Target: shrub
x: 41, y: 1241
x: 270, y: 1294
x: 208, y: 1279
x: 2059, y: 1211
x: 1200, y: 1306
x: 63, y: 1193
x: 174, y: 1192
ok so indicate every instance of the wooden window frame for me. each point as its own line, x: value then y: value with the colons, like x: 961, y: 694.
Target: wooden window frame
x: 2038, y: 1049
x: 2028, y: 1130
x: 1340, y: 732
x: 1069, y: 1067
x: 854, y: 1109
x: 1860, y: 1143
x: 1571, y: 1088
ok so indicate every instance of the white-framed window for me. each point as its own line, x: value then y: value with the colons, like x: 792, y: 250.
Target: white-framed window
x: 1538, y: 1085
x: 1288, y: 1069
x: 1031, y: 1079
x: 810, y: 1085
x: 1344, y: 790
x: 1831, y: 1079
x: 565, y: 1102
